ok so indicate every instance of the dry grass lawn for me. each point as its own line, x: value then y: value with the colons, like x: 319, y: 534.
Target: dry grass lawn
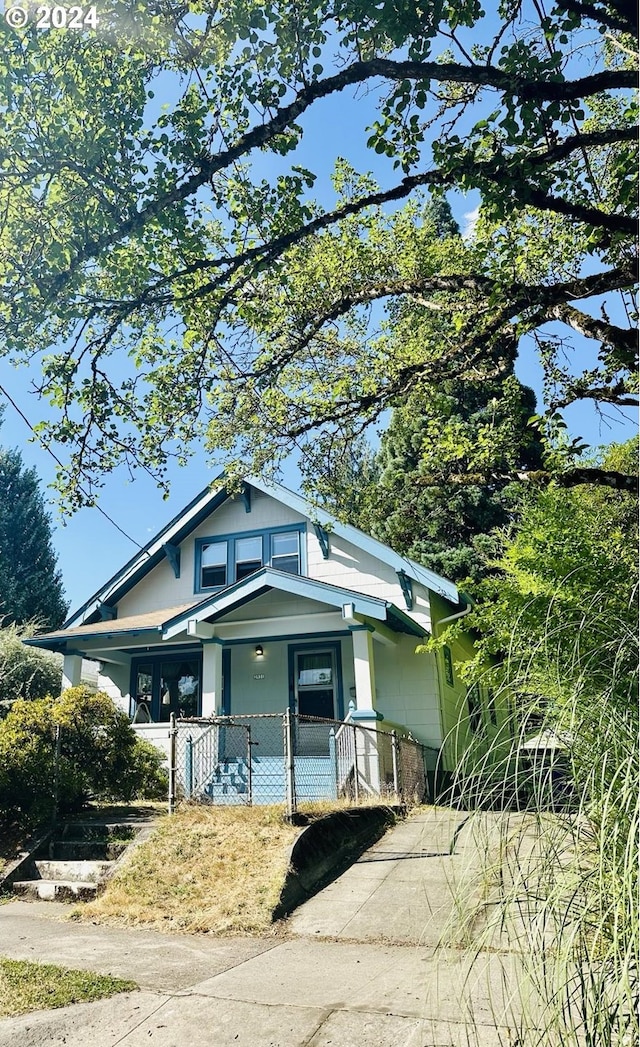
x: 217, y: 869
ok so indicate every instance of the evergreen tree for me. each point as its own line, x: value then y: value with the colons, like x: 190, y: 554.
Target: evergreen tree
x: 444, y: 472
x: 30, y: 582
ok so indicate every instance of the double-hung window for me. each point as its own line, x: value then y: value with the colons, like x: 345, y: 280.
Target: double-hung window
x: 223, y: 561
x: 248, y: 556
x: 285, y: 552
x: 213, y: 565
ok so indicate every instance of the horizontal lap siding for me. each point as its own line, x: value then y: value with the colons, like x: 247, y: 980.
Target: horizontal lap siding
x: 407, y: 689
x: 352, y: 568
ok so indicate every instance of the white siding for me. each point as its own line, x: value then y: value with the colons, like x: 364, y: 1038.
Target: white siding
x: 406, y: 683
x: 347, y: 566
x: 352, y: 568
x: 407, y: 689
x: 232, y: 518
x: 114, y: 680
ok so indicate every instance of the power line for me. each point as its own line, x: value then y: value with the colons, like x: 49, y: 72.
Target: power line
x: 44, y: 446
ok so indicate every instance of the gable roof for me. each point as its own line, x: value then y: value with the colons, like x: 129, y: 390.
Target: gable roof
x: 172, y: 621
x: 205, y: 503
x: 268, y: 578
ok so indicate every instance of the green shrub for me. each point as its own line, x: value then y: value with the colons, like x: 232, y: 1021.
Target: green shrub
x: 100, y: 756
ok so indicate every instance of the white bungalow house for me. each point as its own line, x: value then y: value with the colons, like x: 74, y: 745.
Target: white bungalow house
x: 257, y: 602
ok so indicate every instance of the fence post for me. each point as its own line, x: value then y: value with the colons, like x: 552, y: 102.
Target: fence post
x: 289, y: 765
x: 356, y: 782
x: 188, y: 768
x: 333, y: 761
x: 249, y: 765
x: 173, y: 732
x: 395, y: 747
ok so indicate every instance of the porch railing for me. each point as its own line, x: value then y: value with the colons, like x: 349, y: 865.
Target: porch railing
x: 293, y: 760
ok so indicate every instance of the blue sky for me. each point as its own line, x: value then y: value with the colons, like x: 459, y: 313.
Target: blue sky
x: 89, y: 547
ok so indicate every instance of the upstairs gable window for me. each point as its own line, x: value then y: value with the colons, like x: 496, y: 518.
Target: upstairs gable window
x: 213, y: 565
x: 248, y: 556
x: 223, y: 561
x: 285, y: 552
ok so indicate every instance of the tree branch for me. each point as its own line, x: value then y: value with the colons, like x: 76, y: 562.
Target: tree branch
x: 627, y: 23
x: 209, y: 166
x: 624, y: 340
x: 590, y: 475
x: 619, y: 394
x: 589, y: 140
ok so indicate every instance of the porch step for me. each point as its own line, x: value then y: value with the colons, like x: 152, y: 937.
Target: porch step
x: 314, y: 775
x: 56, y: 890
x: 81, y: 871
x: 81, y: 850
x: 98, y: 832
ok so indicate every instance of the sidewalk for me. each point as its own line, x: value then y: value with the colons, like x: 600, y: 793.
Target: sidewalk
x: 357, y: 967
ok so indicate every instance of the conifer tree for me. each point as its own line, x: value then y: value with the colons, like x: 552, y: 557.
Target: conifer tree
x: 445, y: 466
x: 30, y: 581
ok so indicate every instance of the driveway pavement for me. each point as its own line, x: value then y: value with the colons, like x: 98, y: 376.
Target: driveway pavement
x: 356, y: 966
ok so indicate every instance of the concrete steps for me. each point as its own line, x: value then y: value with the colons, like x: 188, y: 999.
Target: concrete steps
x: 80, y: 859
x: 55, y: 890
x: 314, y: 778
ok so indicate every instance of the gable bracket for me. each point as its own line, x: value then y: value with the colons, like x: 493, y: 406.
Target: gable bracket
x: 107, y: 614
x: 172, y: 552
x: 406, y: 584
x: 323, y: 538
x: 245, y: 496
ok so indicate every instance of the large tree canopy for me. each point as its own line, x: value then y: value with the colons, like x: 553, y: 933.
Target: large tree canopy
x: 175, y: 266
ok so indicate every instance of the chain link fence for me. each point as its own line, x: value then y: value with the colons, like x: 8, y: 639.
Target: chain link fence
x: 291, y: 760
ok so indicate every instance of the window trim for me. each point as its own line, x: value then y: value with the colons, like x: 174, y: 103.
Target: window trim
x: 475, y: 708
x: 264, y: 533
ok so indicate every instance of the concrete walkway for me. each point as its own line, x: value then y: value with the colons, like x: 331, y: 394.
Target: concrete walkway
x: 354, y: 967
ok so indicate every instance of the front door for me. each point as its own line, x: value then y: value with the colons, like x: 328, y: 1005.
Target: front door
x: 315, y: 683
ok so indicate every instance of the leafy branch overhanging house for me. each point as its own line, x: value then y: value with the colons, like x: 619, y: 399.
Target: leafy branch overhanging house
x: 255, y: 602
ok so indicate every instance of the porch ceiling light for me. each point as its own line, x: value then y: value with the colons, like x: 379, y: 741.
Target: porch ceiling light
x: 259, y: 650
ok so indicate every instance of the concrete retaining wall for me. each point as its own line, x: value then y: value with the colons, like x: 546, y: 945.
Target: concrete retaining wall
x: 328, y: 846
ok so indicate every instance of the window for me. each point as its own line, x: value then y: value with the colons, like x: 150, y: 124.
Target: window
x: 474, y: 704
x: 166, y: 685
x: 222, y: 561
x: 248, y: 556
x: 285, y: 552
x: 213, y: 565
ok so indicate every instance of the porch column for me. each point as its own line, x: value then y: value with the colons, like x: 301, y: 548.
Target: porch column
x: 211, y: 677
x: 71, y: 671
x: 365, y: 715
x: 364, y: 672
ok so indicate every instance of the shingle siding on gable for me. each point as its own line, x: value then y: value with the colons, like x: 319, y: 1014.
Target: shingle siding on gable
x: 352, y: 568
x: 161, y: 589
x: 232, y: 518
